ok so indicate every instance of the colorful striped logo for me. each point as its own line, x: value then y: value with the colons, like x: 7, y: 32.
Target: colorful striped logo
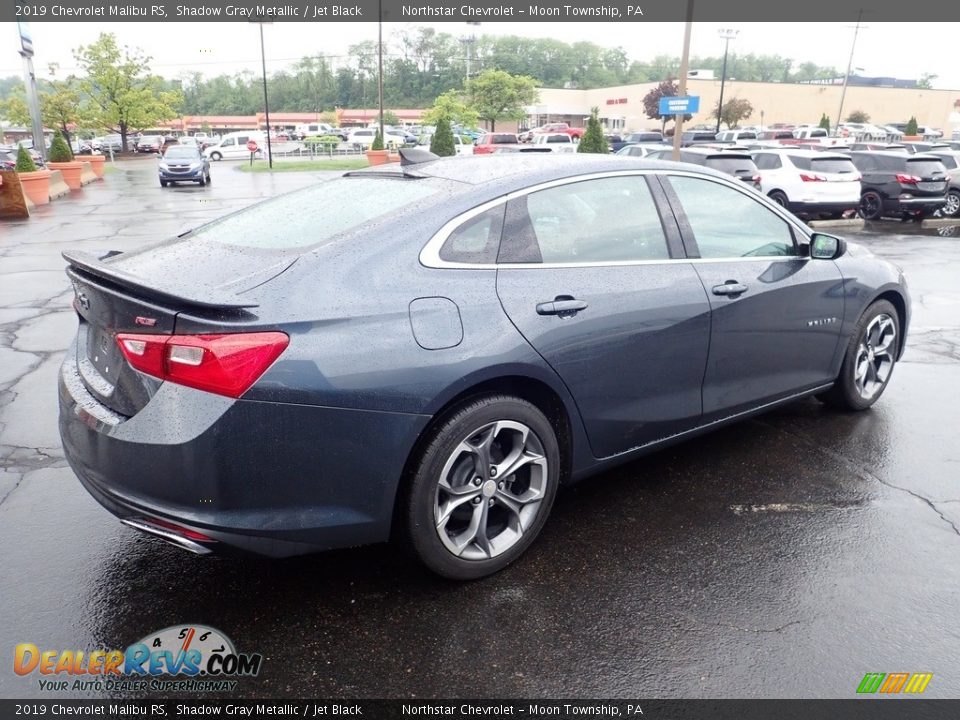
x: 893, y: 683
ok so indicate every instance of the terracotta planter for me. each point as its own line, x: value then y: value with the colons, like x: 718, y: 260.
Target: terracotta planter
x: 36, y: 186
x: 96, y: 162
x: 377, y: 157
x: 393, y: 157
x: 71, y: 172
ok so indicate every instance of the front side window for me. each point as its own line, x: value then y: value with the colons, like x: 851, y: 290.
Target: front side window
x: 604, y: 220
x: 727, y: 223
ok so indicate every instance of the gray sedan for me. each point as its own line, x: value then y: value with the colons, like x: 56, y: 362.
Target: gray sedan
x: 432, y: 364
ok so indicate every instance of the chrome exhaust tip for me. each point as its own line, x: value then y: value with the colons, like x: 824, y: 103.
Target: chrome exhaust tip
x: 168, y: 535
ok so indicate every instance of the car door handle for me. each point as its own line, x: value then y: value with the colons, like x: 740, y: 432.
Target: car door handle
x: 730, y: 287
x: 563, y: 305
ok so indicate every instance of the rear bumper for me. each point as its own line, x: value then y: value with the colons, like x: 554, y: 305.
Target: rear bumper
x: 276, y: 479
x: 816, y: 206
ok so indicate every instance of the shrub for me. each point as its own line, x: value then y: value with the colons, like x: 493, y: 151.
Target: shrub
x: 377, y: 142
x: 25, y: 163
x: 593, y: 140
x: 911, y: 127
x: 825, y: 122
x: 442, y: 141
x: 59, y: 150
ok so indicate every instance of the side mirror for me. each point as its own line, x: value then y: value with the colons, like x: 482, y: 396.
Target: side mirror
x: 826, y: 247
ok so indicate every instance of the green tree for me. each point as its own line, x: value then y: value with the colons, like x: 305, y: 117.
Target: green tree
x: 593, y: 140
x: 451, y: 107
x: 390, y: 118
x: 442, y: 141
x: 734, y: 110
x: 926, y: 81
x: 825, y: 122
x: 497, y: 95
x: 14, y: 110
x: 858, y: 116
x: 122, y: 93
x: 59, y: 149
x: 60, y: 104
x: 911, y: 128
x: 25, y: 163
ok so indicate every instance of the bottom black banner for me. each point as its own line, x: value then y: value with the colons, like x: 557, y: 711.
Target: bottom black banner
x: 857, y: 709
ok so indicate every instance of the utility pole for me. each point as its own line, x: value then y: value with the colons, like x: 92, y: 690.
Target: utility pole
x: 266, y: 103
x: 380, y: 62
x: 684, y: 70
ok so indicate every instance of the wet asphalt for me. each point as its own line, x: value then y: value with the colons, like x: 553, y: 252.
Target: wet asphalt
x: 784, y: 556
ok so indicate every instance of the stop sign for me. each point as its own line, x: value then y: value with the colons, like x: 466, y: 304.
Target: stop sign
x: 251, y: 146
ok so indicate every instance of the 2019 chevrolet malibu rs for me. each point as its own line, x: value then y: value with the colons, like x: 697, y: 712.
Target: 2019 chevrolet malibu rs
x: 428, y: 351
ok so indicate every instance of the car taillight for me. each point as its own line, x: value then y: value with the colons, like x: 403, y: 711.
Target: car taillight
x: 907, y: 179
x: 222, y: 364
x: 812, y: 178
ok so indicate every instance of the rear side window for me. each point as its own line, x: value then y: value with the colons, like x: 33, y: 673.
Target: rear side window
x: 477, y: 240
x: 603, y: 220
x: 768, y: 161
x: 949, y: 162
x: 864, y: 162
x: 726, y: 223
x: 315, y: 214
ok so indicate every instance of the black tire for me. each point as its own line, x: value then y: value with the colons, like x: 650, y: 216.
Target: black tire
x: 845, y: 394
x: 202, y: 182
x: 779, y: 198
x: 417, y: 520
x: 952, y: 208
x: 216, y: 156
x: 163, y: 183
x: 208, y: 179
x: 871, y: 205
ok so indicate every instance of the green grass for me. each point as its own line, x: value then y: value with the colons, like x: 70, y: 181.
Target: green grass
x: 260, y: 166
x: 109, y: 168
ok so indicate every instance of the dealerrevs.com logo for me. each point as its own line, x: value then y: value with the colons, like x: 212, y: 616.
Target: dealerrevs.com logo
x: 189, y: 658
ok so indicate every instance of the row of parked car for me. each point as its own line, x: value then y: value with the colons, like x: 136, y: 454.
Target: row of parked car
x: 909, y: 180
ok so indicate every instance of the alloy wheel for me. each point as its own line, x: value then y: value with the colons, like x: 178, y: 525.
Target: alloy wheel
x: 875, y: 356
x: 490, y: 490
x: 952, y: 207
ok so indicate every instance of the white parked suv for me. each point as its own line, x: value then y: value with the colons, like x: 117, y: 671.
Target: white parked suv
x: 555, y: 142
x: 809, y: 182
x: 364, y: 137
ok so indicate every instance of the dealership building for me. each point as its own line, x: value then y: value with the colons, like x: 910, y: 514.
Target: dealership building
x: 621, y: 107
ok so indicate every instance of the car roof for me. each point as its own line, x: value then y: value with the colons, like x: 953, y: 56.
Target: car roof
x: 518, y: 170
x: 804, y: 152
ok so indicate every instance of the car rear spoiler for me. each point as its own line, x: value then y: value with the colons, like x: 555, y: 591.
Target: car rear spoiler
x: 84, y: 263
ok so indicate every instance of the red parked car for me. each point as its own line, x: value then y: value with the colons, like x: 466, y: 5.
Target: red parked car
x: 487, y: 144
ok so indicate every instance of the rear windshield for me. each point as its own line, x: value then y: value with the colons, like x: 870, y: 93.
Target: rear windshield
x: 501, y: 139
x: 732, y: 165
x: 315, y: 214
x: 926, y: 168
x: 824, y: 165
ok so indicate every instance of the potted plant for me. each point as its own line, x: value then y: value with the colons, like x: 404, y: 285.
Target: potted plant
x: 61, y: 158
x: 376, y: 155
x: 36, y: 183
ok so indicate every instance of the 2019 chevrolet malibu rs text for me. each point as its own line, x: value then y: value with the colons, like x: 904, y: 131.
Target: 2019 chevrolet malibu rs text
x: 427, y: 351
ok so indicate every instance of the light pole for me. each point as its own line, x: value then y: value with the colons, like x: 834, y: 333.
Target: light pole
x: 727, y: 34
x: 468, y: 41
x: 266, y: 104
x: 846, y: 78
x: 380, y: 63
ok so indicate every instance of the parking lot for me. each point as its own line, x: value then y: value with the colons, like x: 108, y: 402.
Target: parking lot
x: 784, y: 556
